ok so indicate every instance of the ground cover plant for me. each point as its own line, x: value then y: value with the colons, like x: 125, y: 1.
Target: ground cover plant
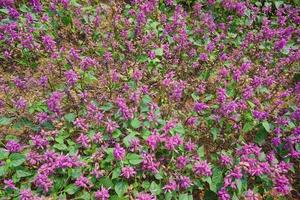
x: 149, y: 99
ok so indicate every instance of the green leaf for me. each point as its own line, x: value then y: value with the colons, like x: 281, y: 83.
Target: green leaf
x: 135, y: 123
x: 23, y: 173
x: 248, y: 127
x: 266, y: 125
x: 17, y: 159
x: 128, y: 139
x: 106, y: 107
x: 67, y: 19
x: 3, y: 170
x: 155, y: 188
x: 106, y: 182
x: 117, y: 133
x: 4, y: 10
x: 134, y: 159
x: 60, y: 146
x: 159, y: 51
x: 5, y: 121
x: 120, y: 188
x: 185, y: 197
x: 71, y: 189
x: 261, y: 136
x: 70, y: 117
x: 215, y: 132
x: 85, y: 195
x: 217, y: 179
x: 201, y: 152
x: 116, y: 173
x: 3, y: 154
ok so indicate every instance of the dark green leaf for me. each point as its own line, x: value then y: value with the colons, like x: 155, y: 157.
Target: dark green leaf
x: 17, y: 159
x: 71, y: 189
x: 134, y: 159
x: 3, y: 154
x: 121, y: 188
x: 5, y: 121
x: 135, y: 123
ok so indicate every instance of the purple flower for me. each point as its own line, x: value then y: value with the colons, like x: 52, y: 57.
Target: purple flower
x: 33, y: 158
x: 71, y: 77
x: 111, y: 126
x: 149, y: 163
x: 153, y: 140
x: 202, y: 168
x: 282, y: 185
x: 134, y: 144
x: 250, y: 195
x: 9, y: 183
x: 203, y: 57
x: 39, y: 141
x: 54, y: 102
x: 225, y: 160
x: 87, y: 62
x: 181, y: 162
x: 190, y: 146
x: 280, y: 44
x: 151, y: 55
x: 223, y: 194
x: 21, y: 104
x: 83, y: 140
x: 43, y: 182
x: 184, y: 182
x: 128, y: 172
x: 83, y: 182
x: 119, y: 152
x: 102, y: 194
x: 170, y: 186
x: 199, y: 107
x: 43, y: 81
x: 13, y: 146
x: 26, y: 195
x: 145, y: 196
x: 98, y: 138
x: 81, y: 123
x: 97, y: 172
x: 49, y: 43
x: 36, y: 4
x: 171, y: 143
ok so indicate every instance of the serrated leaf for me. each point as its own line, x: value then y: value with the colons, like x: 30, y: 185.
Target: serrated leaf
x: 248, y: 127
x: 3, y: 154
x: 117, y: 133
x: 185, y: 197
x: 134, y: 159
x: 116, y: 173
x: 261, y: 136
x: 106, y: 182
x: 201, y: 152
x: 5, y: 121
x: 155, y: 188
x: 159, y: 51
x: 3, y: 170
x: 70, y: 117
x: 23, y: 173
x: 121, y: 188
x: 17, y: 159
x: 135, y: 123
x: 71, y: 189
x: 266, y: 125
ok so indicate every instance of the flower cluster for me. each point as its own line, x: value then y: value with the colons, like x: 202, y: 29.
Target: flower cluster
x: 149, y: 99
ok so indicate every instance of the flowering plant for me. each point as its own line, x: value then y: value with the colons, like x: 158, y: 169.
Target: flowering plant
x: 149, y: 99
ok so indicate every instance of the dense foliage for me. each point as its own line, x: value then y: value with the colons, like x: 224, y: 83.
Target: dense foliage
x: 149, y: 99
